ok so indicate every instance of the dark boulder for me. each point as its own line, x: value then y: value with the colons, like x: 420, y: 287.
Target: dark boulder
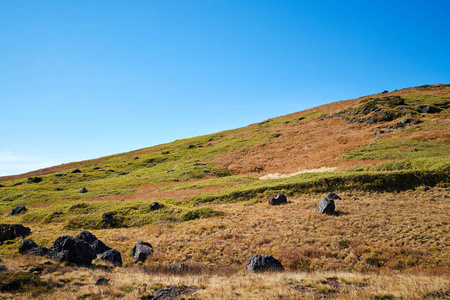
x: 141, y: 251
x: 97, y: 245
x: 21, y: 231
x: 83, y: 190
x: 191, y: 146
x: 38, y: 251
x: 279, y: 199
x: 113, y: 256
x: 326, y: 206
x: 262, y: 263
x: 10, y: 232
x: 17, y: 210
x: 26, y: 246
x: 155, y: 206
x: 425, y: 188
x: 72, y: 250
x: 333, y: 196
x: 102, y: 281
x: 108, y: 217
x: 426, y: 109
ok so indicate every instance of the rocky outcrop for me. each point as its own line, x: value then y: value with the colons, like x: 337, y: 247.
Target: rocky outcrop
x: 26, y: 246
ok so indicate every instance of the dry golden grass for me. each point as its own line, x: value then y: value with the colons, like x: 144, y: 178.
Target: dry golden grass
x: 378, y: 245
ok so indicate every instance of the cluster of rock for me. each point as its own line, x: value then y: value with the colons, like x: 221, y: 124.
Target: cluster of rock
x: 381, y: 110
x: 83, y: 249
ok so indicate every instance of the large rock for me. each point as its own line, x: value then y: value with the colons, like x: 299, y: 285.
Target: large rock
x: 326, y: 206
x: 97, y: 245
x: 17, y: 210
x: 141, y: 251
x: 73, y: 250
x: 262, y: 263
x: 113, y: 256
x: 10, y: 232
x: 279, y: 199
x: 26, y: 246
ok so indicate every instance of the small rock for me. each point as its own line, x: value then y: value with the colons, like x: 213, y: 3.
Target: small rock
x: 83, y: 190
x: 155, y: 206
x: 141, y: 251
x: 262, y: 263
x: 38, y: 251
x: 333, y: 196
x: 326, y: 206
x: 179, y: 268
x: 17, y: 210
x: 425, y: 188
x: 108, y: 217
x: 113, y: 256
x: 3, y: 268
x: 191, y: 146
x: 279, y: 199
x: 102, y: 281
x: 414, y: 150
x: 26, y: 246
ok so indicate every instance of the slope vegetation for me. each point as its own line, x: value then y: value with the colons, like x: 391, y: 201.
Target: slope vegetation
x: 377, y: 152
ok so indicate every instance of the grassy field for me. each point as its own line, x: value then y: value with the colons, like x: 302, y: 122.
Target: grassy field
x: 389, y: 238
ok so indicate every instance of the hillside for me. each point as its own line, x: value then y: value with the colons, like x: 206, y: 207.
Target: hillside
x: 377, y: 152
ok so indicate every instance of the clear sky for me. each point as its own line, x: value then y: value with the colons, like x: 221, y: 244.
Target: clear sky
x: 84, y: 79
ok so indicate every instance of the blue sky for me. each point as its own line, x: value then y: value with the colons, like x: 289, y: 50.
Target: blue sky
x: 85, y: 79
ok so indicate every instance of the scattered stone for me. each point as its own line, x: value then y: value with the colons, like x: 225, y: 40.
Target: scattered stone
x: 124, y: 173
x: 18, y: 183
x: 83, y: 190
x: 76, y: 171
x: 38, y: 251
x: 262, y: 263
x: 141, y: 251
x: 326, y: 206
x: 172, y: 292
x: 137, y: 157
x: 72, y: 250
x: 60, y: 175
x: 426, y: 109
x: 108, y: 217
x: 26, y: 246
x: 96, y: 168
x: 199, y: 164
x: 279, y: 199
x: 333, y: 196
x: 155, y: 206
x: 102, y: 281
x: 3, y: 268
x: 414, y: 150
x: 425, y: 188
x: 17, y: 210
x: 179, y: 268
x: 191, y: 146
x: 165, y: 152
x: 113, y: 256
x: 431, y: 199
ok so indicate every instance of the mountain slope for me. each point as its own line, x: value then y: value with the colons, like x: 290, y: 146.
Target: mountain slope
x: 377, y: 152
